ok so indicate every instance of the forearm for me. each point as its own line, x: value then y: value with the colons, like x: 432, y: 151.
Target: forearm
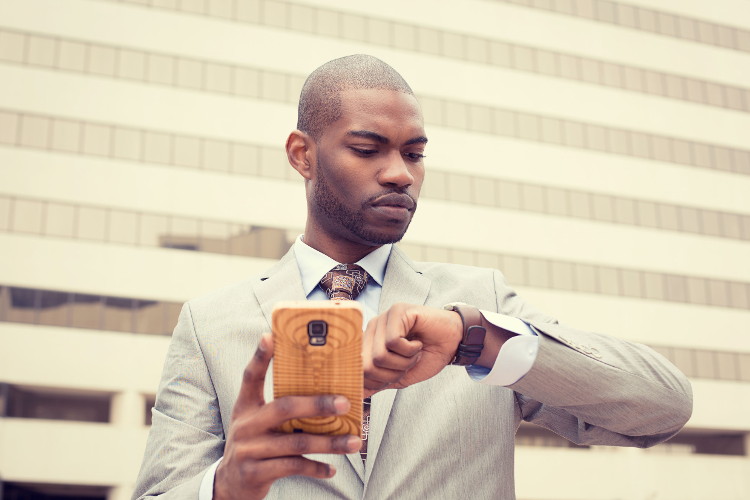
x: 619, y: 386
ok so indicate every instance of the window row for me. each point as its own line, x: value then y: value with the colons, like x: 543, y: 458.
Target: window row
x: 131, y: 315
x: 42, y: 403
x: 49, y: 218
x: 134, y: 228
x: 688, y: 441
x: 595, y: 279
x: 150, y: 146
x: 248, y: 82
x: 22, y: 402
x: 43, y: 491
x: 707, y: 364
x: 79, y: 310
x: 112, y: 141
x: 150, y: 67
x: 582, y: 135
x: 468, y: 47
x: 645, y: 19
x: 49, y: 404
x: 562, y: 202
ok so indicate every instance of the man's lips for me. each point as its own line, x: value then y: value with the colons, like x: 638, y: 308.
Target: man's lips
x: 395, y: 200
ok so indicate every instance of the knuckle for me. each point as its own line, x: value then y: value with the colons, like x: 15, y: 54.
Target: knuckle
x: 248, y: 375
x: 340, y: 443
x: 294, y: 466
x: 249, y: 472
x: 299, y: 444
x: 324, y: 405
x: 321, y: 469
x: 284, y: 407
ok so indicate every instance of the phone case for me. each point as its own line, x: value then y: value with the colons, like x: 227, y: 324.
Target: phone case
x: 305, y: 365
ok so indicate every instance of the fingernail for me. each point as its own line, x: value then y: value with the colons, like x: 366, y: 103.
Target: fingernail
x: 331, y: 470
x: 353, y: 443
x: 341, y: 404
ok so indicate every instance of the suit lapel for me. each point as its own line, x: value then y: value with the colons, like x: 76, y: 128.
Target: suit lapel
x: 280, y: 282
x: 402, y: 283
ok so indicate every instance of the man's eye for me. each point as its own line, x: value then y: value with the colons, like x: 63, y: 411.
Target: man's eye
x: 414, y: 156
x: 364, y: 152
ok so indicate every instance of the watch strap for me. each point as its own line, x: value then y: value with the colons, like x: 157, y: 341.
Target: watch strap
x: 472, y: 340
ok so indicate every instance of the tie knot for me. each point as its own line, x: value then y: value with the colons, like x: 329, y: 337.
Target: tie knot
x: 344, y: 282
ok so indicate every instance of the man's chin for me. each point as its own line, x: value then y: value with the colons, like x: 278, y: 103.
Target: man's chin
x: 382, y: 237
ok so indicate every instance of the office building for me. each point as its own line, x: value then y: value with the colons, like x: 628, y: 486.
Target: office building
x: 600, y: 149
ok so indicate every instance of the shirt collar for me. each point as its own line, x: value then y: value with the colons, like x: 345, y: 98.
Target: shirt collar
x: 313, y: 265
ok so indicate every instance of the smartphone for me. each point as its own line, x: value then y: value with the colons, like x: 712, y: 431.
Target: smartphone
x: 318, y: 350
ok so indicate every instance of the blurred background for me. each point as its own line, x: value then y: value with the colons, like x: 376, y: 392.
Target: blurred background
x: 600, y: 149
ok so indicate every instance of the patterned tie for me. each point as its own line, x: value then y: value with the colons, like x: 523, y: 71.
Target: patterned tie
x: 345, y: 282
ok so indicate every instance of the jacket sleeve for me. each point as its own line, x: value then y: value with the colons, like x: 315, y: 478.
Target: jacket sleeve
x: 595, y: 389
x: 186, y: 435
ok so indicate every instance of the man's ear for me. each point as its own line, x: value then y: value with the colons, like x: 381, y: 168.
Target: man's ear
x: 300, y: 150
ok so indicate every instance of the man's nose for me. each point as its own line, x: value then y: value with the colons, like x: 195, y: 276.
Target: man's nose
x: 396, y: 172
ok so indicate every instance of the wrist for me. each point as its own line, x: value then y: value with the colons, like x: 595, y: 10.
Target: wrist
x: 473, y: 330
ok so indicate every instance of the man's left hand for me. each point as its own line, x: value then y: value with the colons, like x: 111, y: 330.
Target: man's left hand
x: 408, y: 344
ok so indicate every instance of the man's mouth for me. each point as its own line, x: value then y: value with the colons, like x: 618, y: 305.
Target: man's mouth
x: 396, y: 201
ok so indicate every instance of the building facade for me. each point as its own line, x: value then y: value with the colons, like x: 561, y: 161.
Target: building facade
x: 600, y: 148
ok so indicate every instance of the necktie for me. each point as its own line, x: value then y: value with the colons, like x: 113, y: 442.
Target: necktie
x: 345, y: 282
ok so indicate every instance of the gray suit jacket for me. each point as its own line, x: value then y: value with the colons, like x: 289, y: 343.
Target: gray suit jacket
x: 447, y: 437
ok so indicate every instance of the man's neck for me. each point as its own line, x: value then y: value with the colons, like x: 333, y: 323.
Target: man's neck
x: 343, y: 251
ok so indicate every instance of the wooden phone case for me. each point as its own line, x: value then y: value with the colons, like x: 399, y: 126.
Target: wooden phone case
x: 300, y: 368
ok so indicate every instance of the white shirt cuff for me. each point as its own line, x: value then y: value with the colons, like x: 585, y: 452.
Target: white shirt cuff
x: 516, y: 356
x: 206, y: 491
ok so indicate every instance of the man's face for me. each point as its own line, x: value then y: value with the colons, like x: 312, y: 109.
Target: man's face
x: 369, y: 167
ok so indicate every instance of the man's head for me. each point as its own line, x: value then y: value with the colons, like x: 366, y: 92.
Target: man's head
x: 359, y: 147
x: 320, y: 100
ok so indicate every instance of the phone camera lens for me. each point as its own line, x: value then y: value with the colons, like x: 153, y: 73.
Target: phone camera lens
x: 317, y: 331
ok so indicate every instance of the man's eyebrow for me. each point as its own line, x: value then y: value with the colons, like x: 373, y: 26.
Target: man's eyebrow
x: 366, y: 134
x: 417, y: 140
x: 374, y: 136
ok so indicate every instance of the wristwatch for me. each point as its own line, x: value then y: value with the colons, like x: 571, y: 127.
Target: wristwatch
x: 472, y: 341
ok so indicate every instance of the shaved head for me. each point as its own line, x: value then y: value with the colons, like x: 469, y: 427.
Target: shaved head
x: 320, y: 101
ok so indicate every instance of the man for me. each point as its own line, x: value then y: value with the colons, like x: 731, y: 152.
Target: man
x: 448, y: 432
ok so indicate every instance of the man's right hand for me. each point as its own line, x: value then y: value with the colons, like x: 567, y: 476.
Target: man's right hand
x: 256, y: 454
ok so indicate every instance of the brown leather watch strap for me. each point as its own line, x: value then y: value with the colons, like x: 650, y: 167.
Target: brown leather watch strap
x: 472, y: 342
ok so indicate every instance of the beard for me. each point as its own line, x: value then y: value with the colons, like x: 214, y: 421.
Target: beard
x: 334, y: 214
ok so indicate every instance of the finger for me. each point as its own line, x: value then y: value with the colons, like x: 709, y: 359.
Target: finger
x: 254, y: 376
x: 282, y: 445
x: 391, y: 345
x: 392, y: 361
x: 404, y: 347
x: 274, y: 413
x: 276, y: 468
x: 368, y: 338
x: 372, y: 386
x: 378, y: 376
x: 378, y: 348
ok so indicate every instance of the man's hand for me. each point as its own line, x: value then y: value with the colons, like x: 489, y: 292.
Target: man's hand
x: 408, y: 344
x: 256, y: 454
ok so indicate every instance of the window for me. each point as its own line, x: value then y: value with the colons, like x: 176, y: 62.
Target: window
x: 30, y: 491
x: 27, y: 402
x: 62, y: 308
x: 532, y: 435
x: 705, y: 443
x: 150, y: 401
